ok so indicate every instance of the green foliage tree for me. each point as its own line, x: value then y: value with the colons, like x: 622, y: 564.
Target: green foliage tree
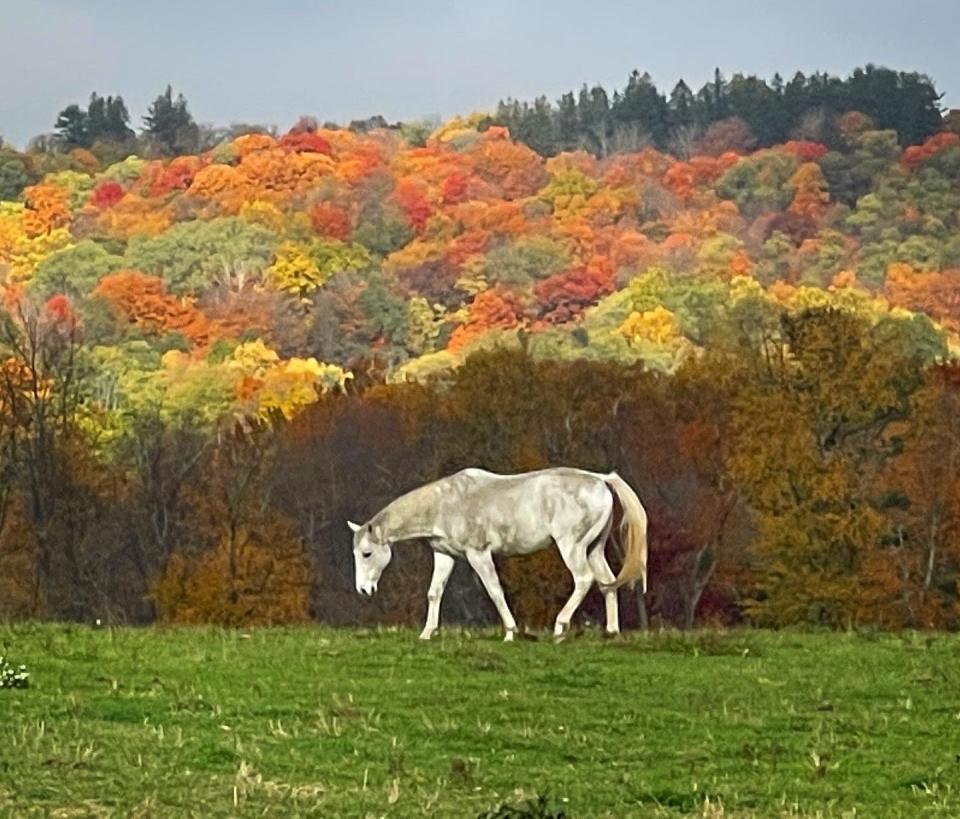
x: 759, y: 183
x: 16, y: 172
x: 525, y: 260
x: 75, y: 270
x: 195, y: 256
x: 382, y: 231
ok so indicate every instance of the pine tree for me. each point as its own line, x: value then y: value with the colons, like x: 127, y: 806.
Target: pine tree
x: 681, y: 104
x: 105, y: 119
x: 170, y: 126
x: 71, y: 125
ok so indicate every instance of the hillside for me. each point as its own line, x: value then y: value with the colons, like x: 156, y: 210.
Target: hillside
x: 211, y: 361
x: 341, y: 246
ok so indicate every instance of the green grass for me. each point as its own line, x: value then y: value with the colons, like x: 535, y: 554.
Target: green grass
x: 314, y: 721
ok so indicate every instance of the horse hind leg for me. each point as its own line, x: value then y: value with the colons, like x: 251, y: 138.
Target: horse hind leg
x: 575, y: 555
x: 605, y: 577
x: 582, y: 581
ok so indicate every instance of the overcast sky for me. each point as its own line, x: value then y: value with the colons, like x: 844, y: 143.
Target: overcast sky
x: 273, y: 60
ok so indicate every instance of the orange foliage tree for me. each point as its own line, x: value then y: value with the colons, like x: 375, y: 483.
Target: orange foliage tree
x: 143, y: 300
x: 491, y: 309
x: 936, y: 294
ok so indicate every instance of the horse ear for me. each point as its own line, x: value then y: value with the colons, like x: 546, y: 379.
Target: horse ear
x: 354, y: 527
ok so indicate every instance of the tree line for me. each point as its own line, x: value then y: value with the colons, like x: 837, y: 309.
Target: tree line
x: 802, y: 472
x: 742, y: 113
x: 168, y: 128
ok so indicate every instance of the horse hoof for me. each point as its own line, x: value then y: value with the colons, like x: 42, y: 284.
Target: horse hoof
x: 426, y: 635
x: 508, y: 637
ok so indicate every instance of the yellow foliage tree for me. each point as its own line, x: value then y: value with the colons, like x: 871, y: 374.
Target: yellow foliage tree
x: 295, y: 272
x: 27, y: 251
x: 658, y: 325
x: 263, y: 213
x: 457, y: 128
x: 568, y: 192
x: 269, y: 385
x: 296, y: 383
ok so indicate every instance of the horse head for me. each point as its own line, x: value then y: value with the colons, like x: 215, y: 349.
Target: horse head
x: 371, y: 554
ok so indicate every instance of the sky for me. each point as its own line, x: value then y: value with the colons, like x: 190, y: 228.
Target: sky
x: 271, y: 61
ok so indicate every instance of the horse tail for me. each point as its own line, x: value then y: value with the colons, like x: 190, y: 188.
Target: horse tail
x: 633, y: 534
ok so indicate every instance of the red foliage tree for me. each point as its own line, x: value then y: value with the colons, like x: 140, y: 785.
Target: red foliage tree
x: 58, y: 309
x: 305, y: 142
x: 330, y: 221
x: 454, y: 188
x: 916, y: 155
x: 410, y: 195
x: 804, y: 149
x: 565, y: 294
x: 176, y: 176
x: 106, y: 195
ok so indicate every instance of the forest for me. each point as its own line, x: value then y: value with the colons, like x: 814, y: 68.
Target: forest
x: 218, y: 345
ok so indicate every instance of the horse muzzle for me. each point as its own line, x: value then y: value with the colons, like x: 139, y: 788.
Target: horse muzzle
x: 367, y: 589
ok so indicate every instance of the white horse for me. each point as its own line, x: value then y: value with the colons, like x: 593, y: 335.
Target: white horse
x: 476, y: 514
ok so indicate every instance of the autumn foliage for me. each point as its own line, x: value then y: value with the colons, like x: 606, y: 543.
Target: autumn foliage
x: 209, y: 361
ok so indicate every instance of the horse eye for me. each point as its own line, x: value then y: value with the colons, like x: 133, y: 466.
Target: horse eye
x: 367, y: 554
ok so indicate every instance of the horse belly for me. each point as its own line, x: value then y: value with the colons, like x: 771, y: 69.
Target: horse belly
x: 517, y: 528
x: 516, y: 545
x: 520, y: 516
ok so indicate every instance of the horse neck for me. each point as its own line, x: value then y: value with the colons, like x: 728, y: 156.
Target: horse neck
x: 409, y: 516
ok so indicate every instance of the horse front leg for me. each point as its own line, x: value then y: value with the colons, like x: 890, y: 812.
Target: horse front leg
x: 482, y: 563
x: 442, y: 567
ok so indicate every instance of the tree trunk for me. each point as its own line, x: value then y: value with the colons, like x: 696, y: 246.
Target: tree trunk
x: 698, y: 584
x: 642, y: 610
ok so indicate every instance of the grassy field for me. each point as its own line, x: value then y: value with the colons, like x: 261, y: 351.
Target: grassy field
x: 312, y: 721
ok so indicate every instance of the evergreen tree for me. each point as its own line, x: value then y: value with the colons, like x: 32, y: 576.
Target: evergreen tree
x: 169, y: 125
x: 803, y: 108
x: 568, y: 126
x: 105, y: 119
x: 71, y: 126
x: 682, y: 104
x: 594, y: 111
x: 117, y: 120
x: 644, y: 107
